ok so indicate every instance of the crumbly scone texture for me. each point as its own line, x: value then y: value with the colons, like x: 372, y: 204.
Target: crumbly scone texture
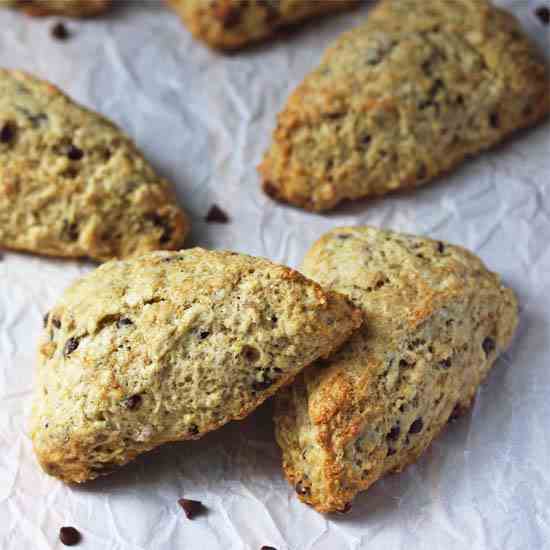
x: 403, y: 98
x: 436, y: 320
x: 68, y: 8
x: 168, y: 347
x: 72, y: 184
x: 232, y: 24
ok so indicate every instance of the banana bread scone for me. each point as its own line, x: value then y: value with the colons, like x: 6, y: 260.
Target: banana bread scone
x: 436, y: 320
x: 231, y: 24
x: 68, y: 8
x: 170, y: 346
x: 403, y: 98
x: 72, y: 184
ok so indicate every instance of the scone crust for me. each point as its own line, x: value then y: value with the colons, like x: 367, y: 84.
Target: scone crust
x: 232, y: 24
x: 67, y: 8
x: 168, y: 347
x: 436, y: 320
x: 72, y: 184
x: 404, y: 97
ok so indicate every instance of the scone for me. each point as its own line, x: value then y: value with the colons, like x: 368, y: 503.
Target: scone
x: 231, y: 24
x: 170, y: 346
x: 436, y: 320
x: 68, y: 8
x: 403, y: 98
x: 72, y: 184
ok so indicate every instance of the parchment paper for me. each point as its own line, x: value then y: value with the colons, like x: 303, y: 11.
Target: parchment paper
x: 204, y: 120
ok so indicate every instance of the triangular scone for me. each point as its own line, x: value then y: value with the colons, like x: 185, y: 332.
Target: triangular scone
x: 436, y: 320
x: 170, y: 346
x: 68, y: 8
x: 406, y: 96
x: 72, y: 184
x: 232, y: 24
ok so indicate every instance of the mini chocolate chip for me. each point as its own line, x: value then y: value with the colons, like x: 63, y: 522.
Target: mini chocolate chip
x: 445, y: 363
x: 191, y: 508
x: 216, y: 215
x: 74, y: 153
x: 494, y: 120
x: 390, y: 451
x: 69, y: 231
x: 69, y: 536
x: 70, y: 346
x: 343, y: 236
x: 56, y: 322
x: 250, y: 353
x: 488, y: 345
x: 159, y: 221
x: 543, y: 13
x: 7, y: 133
x: 193, y: 429
x: 346, y: 509
x: 133, y: 402
x: 457, y: 412
x: 124, y: 322
x: 270, y: 189
x: 365, y: 140
x: 45, y: 319
x: 301, y: 489
x: 416, y: 426
x: 393, y: 434
x: 231, y: 17
x: 203, y: 334
x: 59, y: 31
x: 440, y: 247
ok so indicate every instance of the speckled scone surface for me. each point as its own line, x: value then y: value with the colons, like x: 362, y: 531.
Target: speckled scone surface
x: 231, y: 24
x: 69, y: 8
x: 72, y: 184
x: 170, y: 346
x: 436, y: 321
x: 402, y: 98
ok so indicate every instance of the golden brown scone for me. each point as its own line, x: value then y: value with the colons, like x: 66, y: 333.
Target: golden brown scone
x: 170, y: 346
x: 232, y: 24
x: 72, y: 184
x: 68, y: 8
x: 403, y: 98
x: 436, y: 320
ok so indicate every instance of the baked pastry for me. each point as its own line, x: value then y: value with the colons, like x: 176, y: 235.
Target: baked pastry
x: 403, y: 98
x: 72, y: 184
x: 436, y: 321
x: 68, y: 8
x: 232, y: 24
x: 170, y: 346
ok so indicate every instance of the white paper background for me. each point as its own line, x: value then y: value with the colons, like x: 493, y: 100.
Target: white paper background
x: 204, y: 120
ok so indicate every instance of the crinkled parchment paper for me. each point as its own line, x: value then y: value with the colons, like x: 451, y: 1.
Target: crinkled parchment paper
x: 204, y: 120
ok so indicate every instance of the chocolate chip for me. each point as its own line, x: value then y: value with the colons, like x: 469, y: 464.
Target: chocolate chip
x: 301, y: 489
x: 343, y: 236
x: 192, y: 508
x: 216, y: 215
x: 422, y: 172
x: 193, y: 429
x: 390, y: 451
x: 69, y: 536
x: 250, y: 353
x: 494, y: 120
x: 70, y: 346
x: 133, y: 402
x: 440, y: 247
x: 124, y: 322
x: 270, y: 189
x: 74, y: 153
x: 230, y: 17
x: 488, y: 345
x: 262, y: 385
x: 365, y: 140
x: 56, y: 322
x: 268, y: 548
x: 393, y: 434
x: 416, y: 426
x: 45, y: 319
x: 7, y: 133
x: 457, y: 412
x: 445, y: 363
x: 69, y: 231
x: 159, y: 221
x: 203, y: 334
x: 346, y: 509
x: 543, y: 13
x: 59, y: 31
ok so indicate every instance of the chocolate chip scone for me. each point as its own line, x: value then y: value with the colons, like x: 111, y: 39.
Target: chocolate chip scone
x: 231, y: 24
x: 168, y: 347
x: 68, y: 8
x: 72, y: 184
x: 403, y: 98
x: 436, y: 320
